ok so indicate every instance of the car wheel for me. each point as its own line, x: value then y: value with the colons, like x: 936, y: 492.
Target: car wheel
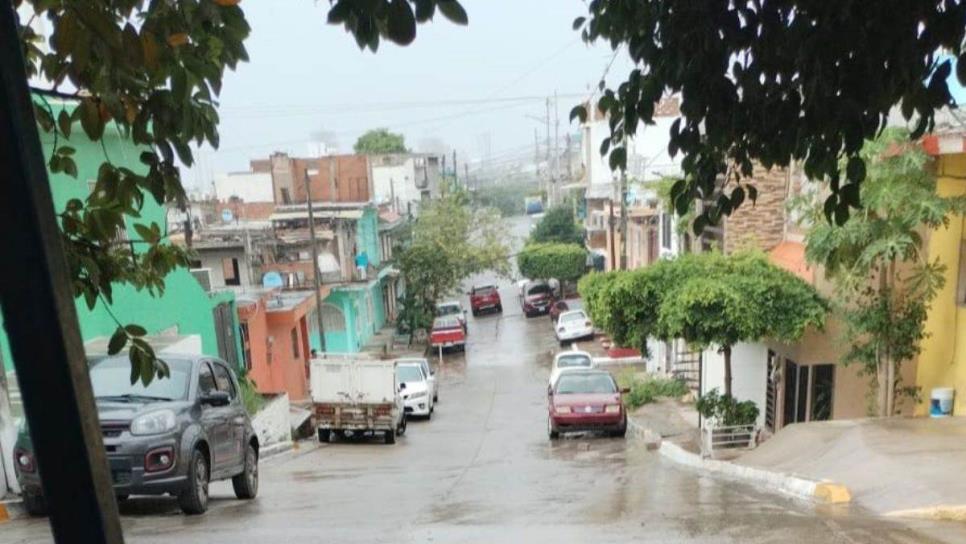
x: 499, y: 308
x: 246, y: 483
x: 476, y: 313
x: 193, y: 500
x: 401, y: 429
x: 325, y: 435
x: 429, y: 415
x: 435, y: 398
x: 34, y: 504
x: 390, y: 437
x: 551, y: 431
x: 620, y: 433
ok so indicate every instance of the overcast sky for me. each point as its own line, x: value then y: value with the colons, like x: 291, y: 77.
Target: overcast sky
x: 458, y: 85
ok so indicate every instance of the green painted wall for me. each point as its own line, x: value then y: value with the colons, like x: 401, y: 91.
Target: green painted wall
x: 367, y: 235
x: 184, y: 305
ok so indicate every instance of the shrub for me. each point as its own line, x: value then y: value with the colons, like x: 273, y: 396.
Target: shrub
x: 647, y: 390
x: 725, y: 410
x: 565, y: 262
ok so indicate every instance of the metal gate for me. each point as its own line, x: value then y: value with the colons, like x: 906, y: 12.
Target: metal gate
x: 687, y: 368
x: 225, y: 334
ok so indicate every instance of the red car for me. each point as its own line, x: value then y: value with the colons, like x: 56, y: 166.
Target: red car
x: 448, y: 332
x: 485, y: 297
x: 586, y: 400
x: 536, y: 298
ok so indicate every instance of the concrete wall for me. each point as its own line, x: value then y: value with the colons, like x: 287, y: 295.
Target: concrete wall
x: 749, y: 368
x: 212, y: 259
x: 247, y: 186
x: 271, y: 423
x: 942, y: 362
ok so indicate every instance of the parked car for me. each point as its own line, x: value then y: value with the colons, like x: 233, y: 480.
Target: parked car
x: 536, y: 298
x: 448, y: 332
x: 171, y: 437
x: 558, y: 307
x: 485, y: 297
x: 586, y: 400
x: 415, y: 389
x: 454, y: 308
x: 357, y: 396
x: 428, y: 371
x: 566, y: 361
x: 573, y: 325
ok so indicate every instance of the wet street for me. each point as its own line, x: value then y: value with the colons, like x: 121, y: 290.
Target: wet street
x: 483, y: 470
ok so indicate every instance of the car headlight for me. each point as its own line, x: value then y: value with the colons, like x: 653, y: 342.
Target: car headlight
x: 418, y: 395
x: 612, y: 409
x: 158, y: 422
x: 562, y: 409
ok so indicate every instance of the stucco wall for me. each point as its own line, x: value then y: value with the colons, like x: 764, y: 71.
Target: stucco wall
x: 942, y: 362
x: 749, y: 369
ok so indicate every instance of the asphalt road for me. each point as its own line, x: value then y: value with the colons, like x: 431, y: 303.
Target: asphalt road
x: 483, y: 470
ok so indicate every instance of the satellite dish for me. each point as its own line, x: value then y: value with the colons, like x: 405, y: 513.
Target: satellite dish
x: 272, y: 280
x: 227, y: 216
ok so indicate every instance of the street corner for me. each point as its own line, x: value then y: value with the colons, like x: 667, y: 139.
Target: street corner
x: 832, y: 493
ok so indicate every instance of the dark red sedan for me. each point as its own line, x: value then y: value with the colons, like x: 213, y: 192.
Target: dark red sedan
x: 586, y: 400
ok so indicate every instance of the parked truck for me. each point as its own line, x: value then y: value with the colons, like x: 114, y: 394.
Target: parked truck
x: 358, y: 396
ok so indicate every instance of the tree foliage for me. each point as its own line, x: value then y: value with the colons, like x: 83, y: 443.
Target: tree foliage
x: 558, y: 226
x: 507, y: 197
x: 565, y: 262
x: 707, y: 299
x: 380, y: 140
x: 773, y: 82
x: 152, y: 70
x: 876, y: 259
x: 450, y: 242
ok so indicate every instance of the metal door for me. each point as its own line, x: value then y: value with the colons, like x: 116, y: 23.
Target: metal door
x: 225, y: 334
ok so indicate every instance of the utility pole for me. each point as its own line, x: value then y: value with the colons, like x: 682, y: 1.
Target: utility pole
x: 549, y: 169
x: 536, y: 154
x: 623, y: 196
x: 317, y: 281
x: 455, y: 170
x: 556, y: 148
x: 466, y: 173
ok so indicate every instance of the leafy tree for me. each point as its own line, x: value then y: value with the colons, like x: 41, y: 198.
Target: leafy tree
x: 450, y: 241
x: 380, y: 140
x: 153, y: 70
x: 774, y: 82
x: 558, y: 226
x: 876, y: 260
x: 707, y: 299
x: 565, y: 262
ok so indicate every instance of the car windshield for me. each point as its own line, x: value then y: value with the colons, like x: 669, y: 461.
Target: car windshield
x: 448, y: 309
x: 575, y: 384
x: 567, y: 318
x: 111, y: 379
x: 573, y: 361
x: 539, y: 289
x: 409, y: 373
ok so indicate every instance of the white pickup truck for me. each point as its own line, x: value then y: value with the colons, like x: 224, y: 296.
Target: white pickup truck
x: 358, y: 395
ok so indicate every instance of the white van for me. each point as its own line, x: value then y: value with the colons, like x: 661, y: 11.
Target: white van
x: 358, y: 395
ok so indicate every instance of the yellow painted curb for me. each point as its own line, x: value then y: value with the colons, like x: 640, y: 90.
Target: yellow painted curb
x: 832, y: 493
x: 4, y: 515
x: 937, y: 513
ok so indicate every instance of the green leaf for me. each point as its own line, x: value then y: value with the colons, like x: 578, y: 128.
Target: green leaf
x: 961, y: 68
x: 401, y: 22
x: 69, y: 166
x: 453, y: 11
x: 135, y: 330
x: 90, y: 117
x: 425, y: 10
x: 579, y: 112
x: 64, y: 123
x: 618, y: 159
x: 117, y: 342
x: 579, y: 22
x: 855, y: 170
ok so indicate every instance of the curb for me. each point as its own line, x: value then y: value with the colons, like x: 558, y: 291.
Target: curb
x: 786, y: 484
x: 274, y: 450
x: 933, y: 513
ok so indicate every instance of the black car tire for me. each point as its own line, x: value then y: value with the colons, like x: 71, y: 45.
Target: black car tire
x: 193, y: 500
x: 325, y: 435
x: 246, y: 483
x: 34, y: 504
x: 476, y: 313
x: 499, y: 308
x: 390, y: 437
x: 621, y: 432
x: 551, y: 431
x: 401, y: 429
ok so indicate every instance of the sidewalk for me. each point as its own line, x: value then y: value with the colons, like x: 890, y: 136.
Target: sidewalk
x: 674, y: 421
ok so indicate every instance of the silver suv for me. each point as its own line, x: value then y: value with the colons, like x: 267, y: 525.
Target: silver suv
x: 171, y: 437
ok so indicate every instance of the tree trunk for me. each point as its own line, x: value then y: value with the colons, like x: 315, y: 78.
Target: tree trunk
x: 726, y: 351
x: 882, y: 387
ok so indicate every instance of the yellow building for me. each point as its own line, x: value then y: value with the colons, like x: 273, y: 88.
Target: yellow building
x: 942, y: 362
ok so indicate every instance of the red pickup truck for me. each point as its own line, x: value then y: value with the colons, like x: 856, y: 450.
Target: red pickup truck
x: 485, y: 297
x: 447, y: 333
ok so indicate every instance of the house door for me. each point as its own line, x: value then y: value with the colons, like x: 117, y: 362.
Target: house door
x: 795, y: 393
x: 225, y: 334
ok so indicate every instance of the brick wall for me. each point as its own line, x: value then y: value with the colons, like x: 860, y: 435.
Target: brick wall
x: 350, y: 182
x: 760, y: 226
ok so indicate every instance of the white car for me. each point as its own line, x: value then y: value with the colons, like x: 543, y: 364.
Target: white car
x: 573, y: 325
x: 414, y: 388
x: 569, y: 360
x: 428, y: 371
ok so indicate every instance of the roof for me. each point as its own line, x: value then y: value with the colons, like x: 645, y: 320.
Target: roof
x: 791, y: 257
x: 284, y: 301
x: 321, y: 214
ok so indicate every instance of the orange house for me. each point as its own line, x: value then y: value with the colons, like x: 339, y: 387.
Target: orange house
x: 275, y: 338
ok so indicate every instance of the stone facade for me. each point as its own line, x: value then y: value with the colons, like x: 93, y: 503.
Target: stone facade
x: 760, y: 225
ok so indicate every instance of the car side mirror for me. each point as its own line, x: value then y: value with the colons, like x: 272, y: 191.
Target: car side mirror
x: 216, y: 398
x: 402, y: 386
x: 625, y: 390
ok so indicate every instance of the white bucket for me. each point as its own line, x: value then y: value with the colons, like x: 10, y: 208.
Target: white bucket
x: 941, y: 402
